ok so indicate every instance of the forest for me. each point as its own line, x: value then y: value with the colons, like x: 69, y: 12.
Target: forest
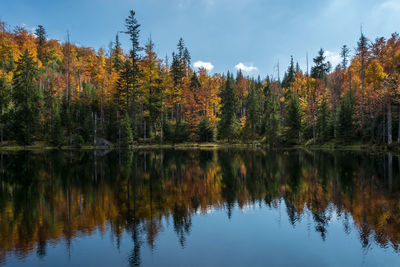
x: 62, y: 94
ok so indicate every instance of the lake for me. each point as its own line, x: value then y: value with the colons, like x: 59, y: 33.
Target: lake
x: 226, y: 207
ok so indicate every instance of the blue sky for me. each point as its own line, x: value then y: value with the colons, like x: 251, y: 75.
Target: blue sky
x: 248, y: 34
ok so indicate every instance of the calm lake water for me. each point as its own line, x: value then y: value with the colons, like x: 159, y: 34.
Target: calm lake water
x: 199, y: 208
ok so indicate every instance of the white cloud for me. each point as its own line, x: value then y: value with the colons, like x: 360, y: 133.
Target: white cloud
x: 203, y: 65
x: 333, y: 57
x: 246, y: 68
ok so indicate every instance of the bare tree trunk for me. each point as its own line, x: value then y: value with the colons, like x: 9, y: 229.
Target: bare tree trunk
x: 155, y: 128
x: 398, y: 130
x: 144, y: 130
x: 119, y: 123
x: 362, y: 92
x: 180, y: 110
x: 389, y: 122
x: 1, y: 125
x: 383, y: 125
x: 102, y: 113
x: 390, y: 170
x: 313, y: 117
x: 95, y: 129
x: 162, y: 127
x: 177, y: 112
x: 79, y: 83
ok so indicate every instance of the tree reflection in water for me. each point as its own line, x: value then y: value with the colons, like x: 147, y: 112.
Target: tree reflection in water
x: 54, y: 196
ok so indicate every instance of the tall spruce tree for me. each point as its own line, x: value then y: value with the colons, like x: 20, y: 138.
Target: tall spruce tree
x: 26, y: 100
x: 319, y: 72
x: 324, y: 121
x: 116, y: 56
x: 252, y: 112
x: 5, y: 92
x: 362, y: 49
x: 345, y: 129
x: 290, y: 74
x: 272, y: 117
x: 293, y: 120
x: 132, y: 29
x: 344, y: 54
x: 228, y: 125
x: 41, y: 36
x: 321, y: 67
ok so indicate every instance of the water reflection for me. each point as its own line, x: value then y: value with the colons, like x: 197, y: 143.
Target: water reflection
x: 52, y: 197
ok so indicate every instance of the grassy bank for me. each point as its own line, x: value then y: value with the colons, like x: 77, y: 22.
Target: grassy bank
x: 211, y: 145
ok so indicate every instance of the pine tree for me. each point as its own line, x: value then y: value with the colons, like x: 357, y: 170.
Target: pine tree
x: 324, y: 122
x: 344, y: 53
x: 5, y: 92
x: 362, y: 49
x: 56, y: 130
x: 272, y: 117
x: 321, y: 67
x: 228, y: 125
x: 298, y: 69
x: 290, y: 75
x: 41, y: 35
x: 132, y: 29
x: 345, y: 127
x: 126, y: 131
x: 252, y: 112
x: 25, y: 99
x: 117, y: 56
x: 319, y: 72
x: 293, y: 120
x: 50, y: 104
x: 205, y: 132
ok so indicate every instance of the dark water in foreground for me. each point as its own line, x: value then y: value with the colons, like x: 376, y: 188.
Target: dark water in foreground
x: 199, y: 208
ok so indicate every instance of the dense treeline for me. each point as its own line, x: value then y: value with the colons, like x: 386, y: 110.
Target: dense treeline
x: 65, y: 94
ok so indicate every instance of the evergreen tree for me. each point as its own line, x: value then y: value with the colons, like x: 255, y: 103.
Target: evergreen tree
x: 194, y: 81
x: 132, y: 29
x: 25, y: 99
x: 324, y: 122
x: 345, y: 127
x: 272, y: 117
x: 177, y: 70
x: 321, y: 67
x: 362, y: 50
x: 41, y: 35
x: 181, y: 49
x: 186, y: 57
x: 290, y: 75
x: 319, y: 72
x: 126, y: 131
x: 252, y: 113
x: 5, y: 92
x: 117, y: 54
x: 293, y: 120
x: 205, y: 132
x: 344, y: 53
x: 56, y: 130
x: 123, y: 92
x: 298, y: 69
x: 228, y: 125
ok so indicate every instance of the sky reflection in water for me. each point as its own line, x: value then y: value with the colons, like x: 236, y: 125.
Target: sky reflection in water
x: 199, y: 208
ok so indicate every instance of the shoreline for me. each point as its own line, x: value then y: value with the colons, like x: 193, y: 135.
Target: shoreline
x: 211, y: 145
